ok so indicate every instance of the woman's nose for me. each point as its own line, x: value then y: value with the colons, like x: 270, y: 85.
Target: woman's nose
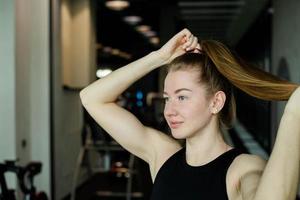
x: 170, y: 110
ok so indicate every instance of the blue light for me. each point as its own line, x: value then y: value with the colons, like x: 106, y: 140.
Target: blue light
x: 139, y: 95
x: 139, y: 104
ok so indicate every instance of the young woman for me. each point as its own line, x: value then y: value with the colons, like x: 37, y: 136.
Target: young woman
x: 199, y: 104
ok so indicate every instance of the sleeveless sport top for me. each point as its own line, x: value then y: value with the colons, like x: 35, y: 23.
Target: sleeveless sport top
x: 177, y: 180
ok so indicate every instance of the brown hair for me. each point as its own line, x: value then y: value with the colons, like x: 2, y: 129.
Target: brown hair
x: 221, y: 70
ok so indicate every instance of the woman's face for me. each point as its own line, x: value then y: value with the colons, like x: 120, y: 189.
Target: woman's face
x: 186, y: 104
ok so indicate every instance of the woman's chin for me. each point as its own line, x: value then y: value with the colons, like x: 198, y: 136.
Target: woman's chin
x: 177, y: 135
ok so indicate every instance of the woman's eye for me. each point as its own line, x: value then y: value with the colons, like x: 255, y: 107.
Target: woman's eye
x: 181, y: 97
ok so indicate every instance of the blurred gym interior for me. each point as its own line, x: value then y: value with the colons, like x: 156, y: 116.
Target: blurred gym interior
x: 51, y: 49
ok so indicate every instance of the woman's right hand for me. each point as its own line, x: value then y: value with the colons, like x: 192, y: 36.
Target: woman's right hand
x: 182, y: 42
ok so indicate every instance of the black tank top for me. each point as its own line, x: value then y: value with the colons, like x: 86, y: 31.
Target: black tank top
x: 176, y: 180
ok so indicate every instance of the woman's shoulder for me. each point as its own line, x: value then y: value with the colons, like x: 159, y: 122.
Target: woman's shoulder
x: 245, y: 162
x: 244, y: 166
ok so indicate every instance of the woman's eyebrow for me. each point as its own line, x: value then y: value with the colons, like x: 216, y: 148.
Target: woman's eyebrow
x: 179, y: 90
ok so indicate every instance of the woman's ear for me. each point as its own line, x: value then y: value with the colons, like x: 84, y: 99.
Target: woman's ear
x: 218, y: 101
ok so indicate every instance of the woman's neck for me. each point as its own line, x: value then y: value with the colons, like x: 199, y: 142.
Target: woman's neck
x: 205, y: 146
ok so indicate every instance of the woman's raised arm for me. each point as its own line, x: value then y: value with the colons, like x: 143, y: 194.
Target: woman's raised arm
x: 280, y: 178
x: 99, y: 99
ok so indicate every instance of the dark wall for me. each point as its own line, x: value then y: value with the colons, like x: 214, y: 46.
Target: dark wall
x: 255, y: 47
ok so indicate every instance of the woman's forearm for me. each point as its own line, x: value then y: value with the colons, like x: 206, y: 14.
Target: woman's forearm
x: 107, y: 89
x: 281, y: 175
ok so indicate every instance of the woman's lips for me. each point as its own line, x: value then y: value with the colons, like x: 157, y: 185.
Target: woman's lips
x: 175, y: 125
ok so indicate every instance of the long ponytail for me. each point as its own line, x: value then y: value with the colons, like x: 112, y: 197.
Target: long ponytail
x: 251, y: 80
x: 220, y: 70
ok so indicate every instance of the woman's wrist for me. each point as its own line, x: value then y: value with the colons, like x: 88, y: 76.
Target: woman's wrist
x: 159, y: 57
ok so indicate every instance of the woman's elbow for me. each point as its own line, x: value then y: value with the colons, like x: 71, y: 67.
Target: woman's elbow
x: 83, y: 97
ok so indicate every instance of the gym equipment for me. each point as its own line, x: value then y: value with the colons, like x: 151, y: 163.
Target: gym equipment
x: 95, y: 139
x: 25, y: 175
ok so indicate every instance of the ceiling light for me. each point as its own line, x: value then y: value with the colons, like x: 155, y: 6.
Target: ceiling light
x: 154, y: 40
x: 132, y: 20
x: 115, y: 52
x: 143, y: 28
x: 117, y: 4
x: 107, y: 49
x: 150, y: 33
x: 103, y: 72
x: 125, y: 55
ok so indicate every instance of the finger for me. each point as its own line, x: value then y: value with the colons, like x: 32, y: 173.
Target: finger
x: 180, y: 36
x: 192, y: 44
x: 185, y: 34
x: 189, y: 42
x: 198, y: 49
